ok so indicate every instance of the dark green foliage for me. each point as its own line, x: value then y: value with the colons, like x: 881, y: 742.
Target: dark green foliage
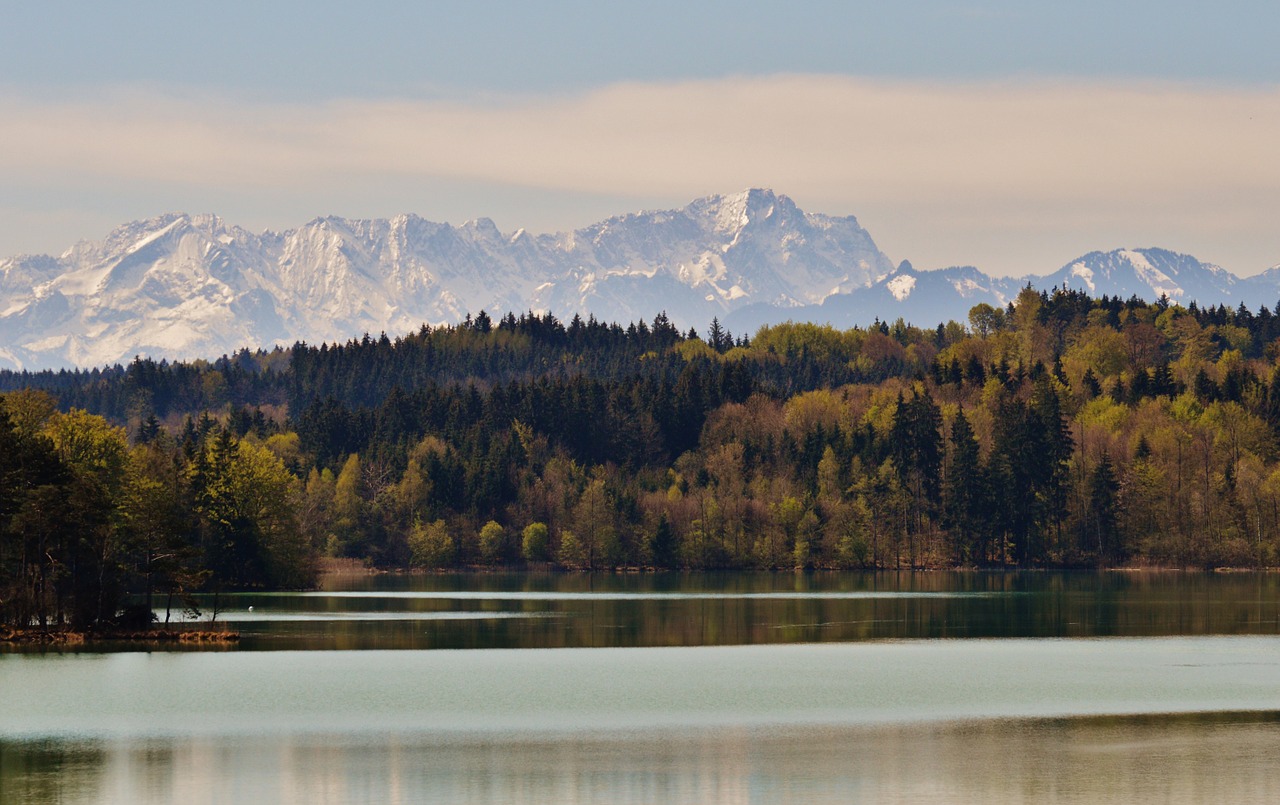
x: 1104, y: 489
x: 967, y: 500
x: 663, y: 546
x: 644, y: 445
x: 35, y: 543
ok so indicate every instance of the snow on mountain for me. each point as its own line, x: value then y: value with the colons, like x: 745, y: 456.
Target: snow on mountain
x: 928, y: 297
x: 920, y: 297
x: 1264, y: 286
x: 176, y: 284
x: 727, y: 251
x: 1147, y: 274
x: 181, y: 286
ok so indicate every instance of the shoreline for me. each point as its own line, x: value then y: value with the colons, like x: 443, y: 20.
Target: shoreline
x: 65, y: 637
x: 352, y: 567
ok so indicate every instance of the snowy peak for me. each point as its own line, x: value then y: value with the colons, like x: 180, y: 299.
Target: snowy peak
x: 1147, y: 274
x: 183, y: 286
x: 729, y: 250
x: 929, y: 297
x: 919, y: 297
x: 962, y: 282
x: 733, y: 213
x: 186, y: 286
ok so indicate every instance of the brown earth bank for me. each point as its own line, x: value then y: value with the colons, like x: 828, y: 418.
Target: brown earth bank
x: 354, y: 567
x: 68, y: 637
x: 344, y: 566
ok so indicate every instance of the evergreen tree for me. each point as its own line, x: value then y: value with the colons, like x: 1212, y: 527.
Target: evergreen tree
x: 1104, y: 534
x: 966, y: 510
x: 663, y: 546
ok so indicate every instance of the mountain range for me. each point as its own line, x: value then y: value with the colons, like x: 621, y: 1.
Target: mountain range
x: 189, y: 286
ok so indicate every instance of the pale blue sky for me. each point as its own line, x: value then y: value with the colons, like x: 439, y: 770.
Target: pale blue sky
x: 210, y: 88
x: 312, y: 50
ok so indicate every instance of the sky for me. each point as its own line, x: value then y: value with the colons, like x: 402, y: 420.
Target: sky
x: 1013, y: 136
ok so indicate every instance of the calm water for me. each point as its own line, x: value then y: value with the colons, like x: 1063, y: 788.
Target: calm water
x: 580, y: 611
x: 770, y: 688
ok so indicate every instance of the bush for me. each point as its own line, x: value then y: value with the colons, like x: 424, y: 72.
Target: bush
x: 493, y: 542
x: 572, y: 552
x: 431, y: 545
x: 535, y: 542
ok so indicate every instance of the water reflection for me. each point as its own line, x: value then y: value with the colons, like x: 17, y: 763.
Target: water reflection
x: 1168, y: 759
x: 525, y: 595
x: 494, y: 610
x: 890, y: 715
x: 133, y: 695
x: 280, y: 616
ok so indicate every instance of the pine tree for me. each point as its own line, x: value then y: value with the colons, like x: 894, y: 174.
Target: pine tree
x: 1103, y: 492
x: 965, y: 508
x: 663, y: 546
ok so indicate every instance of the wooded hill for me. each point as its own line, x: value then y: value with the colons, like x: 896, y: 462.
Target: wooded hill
x: 1061, y: 431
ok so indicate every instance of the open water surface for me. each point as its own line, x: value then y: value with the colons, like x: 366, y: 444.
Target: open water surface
x: 937, y: 687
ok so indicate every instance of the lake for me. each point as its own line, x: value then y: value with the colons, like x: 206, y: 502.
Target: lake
x: 925, y: 687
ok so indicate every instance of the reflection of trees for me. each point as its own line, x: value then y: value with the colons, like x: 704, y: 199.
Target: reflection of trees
x: 905, y: 605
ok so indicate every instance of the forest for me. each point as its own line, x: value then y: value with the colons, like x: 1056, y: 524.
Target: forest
x: 1059, y: 431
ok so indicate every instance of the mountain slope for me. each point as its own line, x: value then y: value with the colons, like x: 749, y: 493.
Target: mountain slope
x: 926, y: 298
x: 1147, y: 274
x: 182, y: 286
x: 728, y: 251
x: 919, y: 297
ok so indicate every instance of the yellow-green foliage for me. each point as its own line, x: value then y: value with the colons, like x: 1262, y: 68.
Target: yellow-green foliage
x: 1103, y: 412
x: 29, y: 409
x: 493, y: 541
x: 90, y: 444
x: 820, y: 341
x: 693, y: 348
x: 804, y: 412
x: 535, y: 542
x: 1100, y: 349
x: 1105, y: 433
x: 431, y: 545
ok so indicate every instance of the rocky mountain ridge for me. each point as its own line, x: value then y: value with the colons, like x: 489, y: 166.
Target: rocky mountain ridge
x: 188, y: 286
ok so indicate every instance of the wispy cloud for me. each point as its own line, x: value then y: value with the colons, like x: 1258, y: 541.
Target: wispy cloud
x: 959, y: 157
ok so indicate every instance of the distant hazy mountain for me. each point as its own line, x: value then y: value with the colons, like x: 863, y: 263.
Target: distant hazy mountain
x: 182, y: 286
x: 921, y: 297
x: 1147, y: 274
x: 191, y: 286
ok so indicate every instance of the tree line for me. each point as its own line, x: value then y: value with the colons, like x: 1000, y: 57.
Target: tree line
x: 1056, y: 431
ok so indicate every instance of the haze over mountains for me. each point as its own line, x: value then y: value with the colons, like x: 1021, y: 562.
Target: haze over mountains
x: 182, y: 286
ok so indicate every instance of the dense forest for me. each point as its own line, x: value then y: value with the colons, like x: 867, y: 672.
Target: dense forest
x: 1059, y: 431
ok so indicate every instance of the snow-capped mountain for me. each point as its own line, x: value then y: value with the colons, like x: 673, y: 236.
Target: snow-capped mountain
x: 1264, y: 286
x: 716, y: 255
x: 908, y: 293
x: 928, y: 297
x: 1147, y: 274
x: 184, y: 286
